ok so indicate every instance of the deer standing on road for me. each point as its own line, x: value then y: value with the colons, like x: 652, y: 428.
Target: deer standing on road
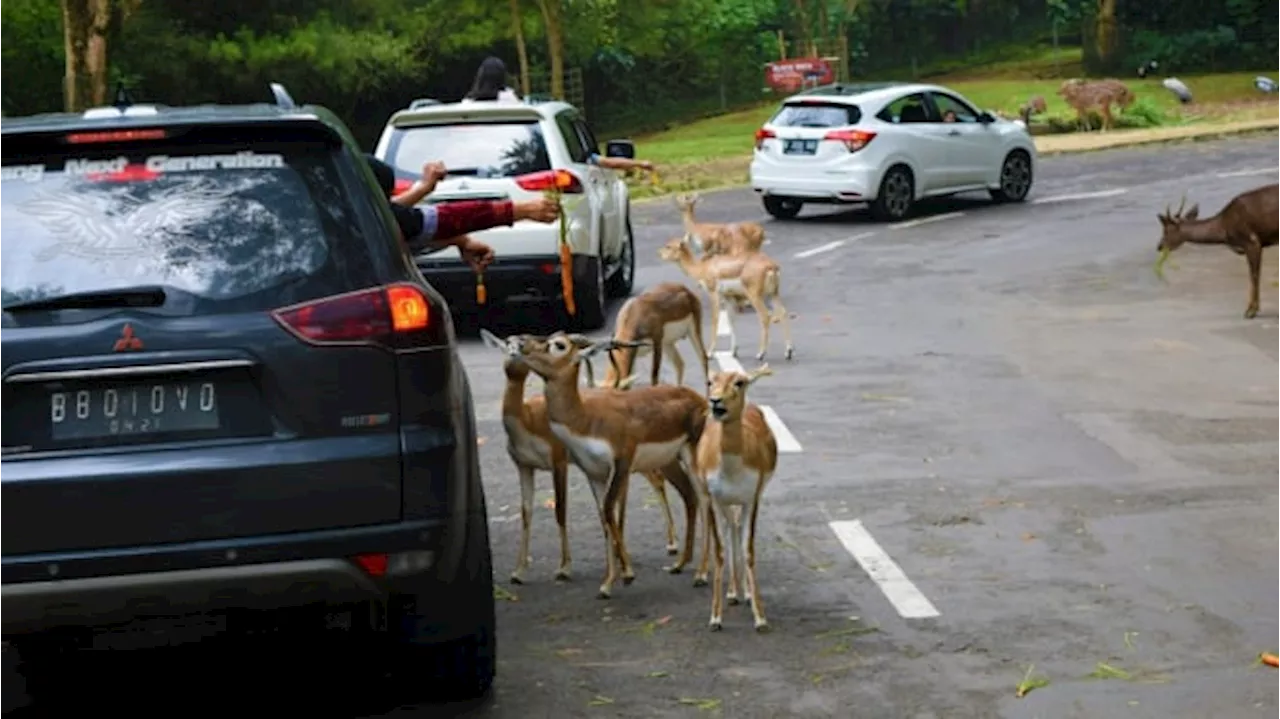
x: 719, y: 238
x: 1247, y: 224
x: 658, y: 318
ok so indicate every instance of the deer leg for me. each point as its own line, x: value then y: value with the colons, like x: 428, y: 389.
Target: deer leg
x: 655, y: 375
x: 560, y: 484
x: 526, y: 518
x: 618, y: 489
x: 751, y: 514
x: 731, y: 313
x: 1106, y: 117
x: 677, y: 362
x: 659, y: 484
x: 700, y: 347
x: 781, y: 315
x: 762, y: 313
x: 599, y: 490
x: 708, y: 519
x: 620, y: 511
x: 734, y: 540
x: 717, y: 598
x: 715, y: 321
x: 1253, y: 253
x: 675, y: 474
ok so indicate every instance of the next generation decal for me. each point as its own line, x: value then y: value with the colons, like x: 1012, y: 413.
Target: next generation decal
x: 76, y: 167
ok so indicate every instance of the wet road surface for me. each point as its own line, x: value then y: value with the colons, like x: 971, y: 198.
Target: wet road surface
x: 1010, y: 445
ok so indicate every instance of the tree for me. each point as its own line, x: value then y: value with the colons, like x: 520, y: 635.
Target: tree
x: 85, y: 24
x: 517, y: 28
x: 1105, y: 35
x: 552, y: 20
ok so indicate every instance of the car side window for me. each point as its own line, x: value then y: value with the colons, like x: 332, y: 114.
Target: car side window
x: 910, y: 108
x: 572, y: 140
x: 588, y: 138
x: 959, y: 110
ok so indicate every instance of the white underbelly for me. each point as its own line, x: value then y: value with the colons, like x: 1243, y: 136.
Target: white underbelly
x: 733, y: 483
x: 526, y: 448
x: 673, y: 332
x: 731, y: 288
x: 656, y: 455
x: 593, y: 456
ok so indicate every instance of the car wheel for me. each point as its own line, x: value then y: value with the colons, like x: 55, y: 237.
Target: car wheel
x: 896, y: 196
x: 1015, y: 178
x: 783, y: 208
x: 623, y: 279
x: 589, y: 297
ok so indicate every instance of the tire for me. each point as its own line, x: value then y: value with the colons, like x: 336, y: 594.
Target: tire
x: 589, y: 298
x: 896, y: 196
x: 623, y: 279
x: 783, y: 208
x: 1015, y: 178
x: 464, y: 668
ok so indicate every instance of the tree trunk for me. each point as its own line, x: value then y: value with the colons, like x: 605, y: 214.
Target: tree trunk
x: 555, y: 44
x: 806, y: 27
x: 1105, y: 33
x: 517, y: 28
x: 85, y: 25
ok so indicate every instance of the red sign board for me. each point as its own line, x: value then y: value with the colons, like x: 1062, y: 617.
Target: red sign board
x: 793, y: 75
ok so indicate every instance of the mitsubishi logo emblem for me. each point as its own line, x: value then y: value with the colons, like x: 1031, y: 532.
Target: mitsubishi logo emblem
x: 464, y: 186
x: 127, y: 341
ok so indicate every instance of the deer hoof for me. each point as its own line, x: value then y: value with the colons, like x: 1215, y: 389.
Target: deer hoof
x: 1251, y: 313
x: 760, y: 355
x: 762, y: 626
x: 626, y: 581
x: 791, y: 352
x: 604, y: 594
x: 516, y: 578
x: 563, y: 575
x: 699, y: 581
x: 715, y: 624
x: 673, y: 550
x: 733, y: 600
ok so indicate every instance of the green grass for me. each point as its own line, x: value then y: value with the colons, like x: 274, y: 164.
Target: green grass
x: 715, y: 151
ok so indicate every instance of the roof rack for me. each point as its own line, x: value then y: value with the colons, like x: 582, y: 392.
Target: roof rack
x: 850, y: 88
x: 283, y: 100
x: 423, y: 102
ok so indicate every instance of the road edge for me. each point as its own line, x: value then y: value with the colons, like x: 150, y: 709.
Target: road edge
x: 1112, y: 141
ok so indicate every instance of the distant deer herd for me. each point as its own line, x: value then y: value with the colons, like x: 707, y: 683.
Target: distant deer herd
x: 712, y: 446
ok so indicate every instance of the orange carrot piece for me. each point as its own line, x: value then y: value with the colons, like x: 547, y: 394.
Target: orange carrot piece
x: 1269, y: 659
x: 482, y: 294
x: 566, y: 264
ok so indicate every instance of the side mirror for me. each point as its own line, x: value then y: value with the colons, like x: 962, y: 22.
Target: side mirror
x: 986, y: 117
x: 620, y: 148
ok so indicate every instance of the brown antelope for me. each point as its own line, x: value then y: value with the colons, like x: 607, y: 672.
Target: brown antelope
x: 719, y: 238
x: 532, y: 447
x: 754, y: 276
x: 1247, y: 224
x: 737, y: 455
x: 1084, y: 95
x: 611, y: 434
x: 658, y: 318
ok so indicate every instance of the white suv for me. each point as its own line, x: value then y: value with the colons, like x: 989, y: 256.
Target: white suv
x: 499, y: 150
x: 888, y: 145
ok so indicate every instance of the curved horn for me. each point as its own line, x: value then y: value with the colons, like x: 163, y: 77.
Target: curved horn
x: 591, y: 373
x: 1183, y: 204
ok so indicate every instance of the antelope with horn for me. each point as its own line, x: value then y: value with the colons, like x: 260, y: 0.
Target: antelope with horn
x: 659, y: 317
x: 730, y: 238
x: 533, y: 447
x: 754, y: 276
x: 736, y: 457
x: 611, y: 434
x: 1247, y: 225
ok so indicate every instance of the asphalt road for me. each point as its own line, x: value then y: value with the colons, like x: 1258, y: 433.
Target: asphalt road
x: 1013, y: 445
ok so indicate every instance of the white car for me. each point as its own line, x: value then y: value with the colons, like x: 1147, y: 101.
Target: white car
x: 517, y: 151
x: 888, y: 145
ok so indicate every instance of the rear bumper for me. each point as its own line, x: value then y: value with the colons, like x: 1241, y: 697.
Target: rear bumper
x: 846, y: 184
x: 87, y: 589
x: 516, y: 280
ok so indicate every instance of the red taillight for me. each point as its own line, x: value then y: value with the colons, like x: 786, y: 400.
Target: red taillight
x: 131, y: 173
x: 854, y: 140
x: 549, y: 180
x: 763, y: 134
x: 375, y: 565
x: 402, y: 186
x: 358, y: 317
x: 85, y: 138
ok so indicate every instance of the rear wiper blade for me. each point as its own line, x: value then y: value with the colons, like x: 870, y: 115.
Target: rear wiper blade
x: 146, y: 296
x: 463, y: 171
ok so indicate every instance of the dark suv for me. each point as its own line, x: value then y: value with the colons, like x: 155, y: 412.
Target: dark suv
x: 229, y: 394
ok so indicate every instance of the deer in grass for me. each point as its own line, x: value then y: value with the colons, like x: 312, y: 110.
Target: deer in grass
x: 1084, y: 95
x: 736, y: 457
x: 719, y: 238
x: 533, y: 447
x: 754, y: 276
x: 611, y: 434
x: 1246, y: 225
x: 657, y: 318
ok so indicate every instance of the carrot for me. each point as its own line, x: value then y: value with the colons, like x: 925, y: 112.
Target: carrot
x: 1269, y: 659
x: 481, y: 293
x: 566, y: 263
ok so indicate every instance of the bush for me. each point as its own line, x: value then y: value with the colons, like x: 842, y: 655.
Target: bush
x: 1143, y: 113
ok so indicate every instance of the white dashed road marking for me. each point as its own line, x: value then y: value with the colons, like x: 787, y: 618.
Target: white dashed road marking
x: 723, y: 327
x: 1254, y: 171
x: 901, y: 593
x: 787, y: 442
x: 926, y: 220
x: 831, y: 246
x: 1079, y: 196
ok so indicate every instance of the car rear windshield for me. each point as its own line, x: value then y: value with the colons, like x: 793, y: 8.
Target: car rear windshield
x: 228, y: 227
x: 491, y: 149
x: 816, y: 114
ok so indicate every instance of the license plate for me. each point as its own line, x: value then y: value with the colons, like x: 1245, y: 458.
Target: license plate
x: 133, y: 410
x: 799, y: 147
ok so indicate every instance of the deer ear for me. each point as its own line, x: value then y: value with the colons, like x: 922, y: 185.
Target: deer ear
x: 759, y: 372
x: 1192, y: 213
x: 492, y: 340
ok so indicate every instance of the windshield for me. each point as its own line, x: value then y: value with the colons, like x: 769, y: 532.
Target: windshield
x: 498, y: 149
x: 816, y: 114
x: 214, y: 223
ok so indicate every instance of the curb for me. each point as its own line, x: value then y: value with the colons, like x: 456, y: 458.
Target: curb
x: 1110, y: 141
